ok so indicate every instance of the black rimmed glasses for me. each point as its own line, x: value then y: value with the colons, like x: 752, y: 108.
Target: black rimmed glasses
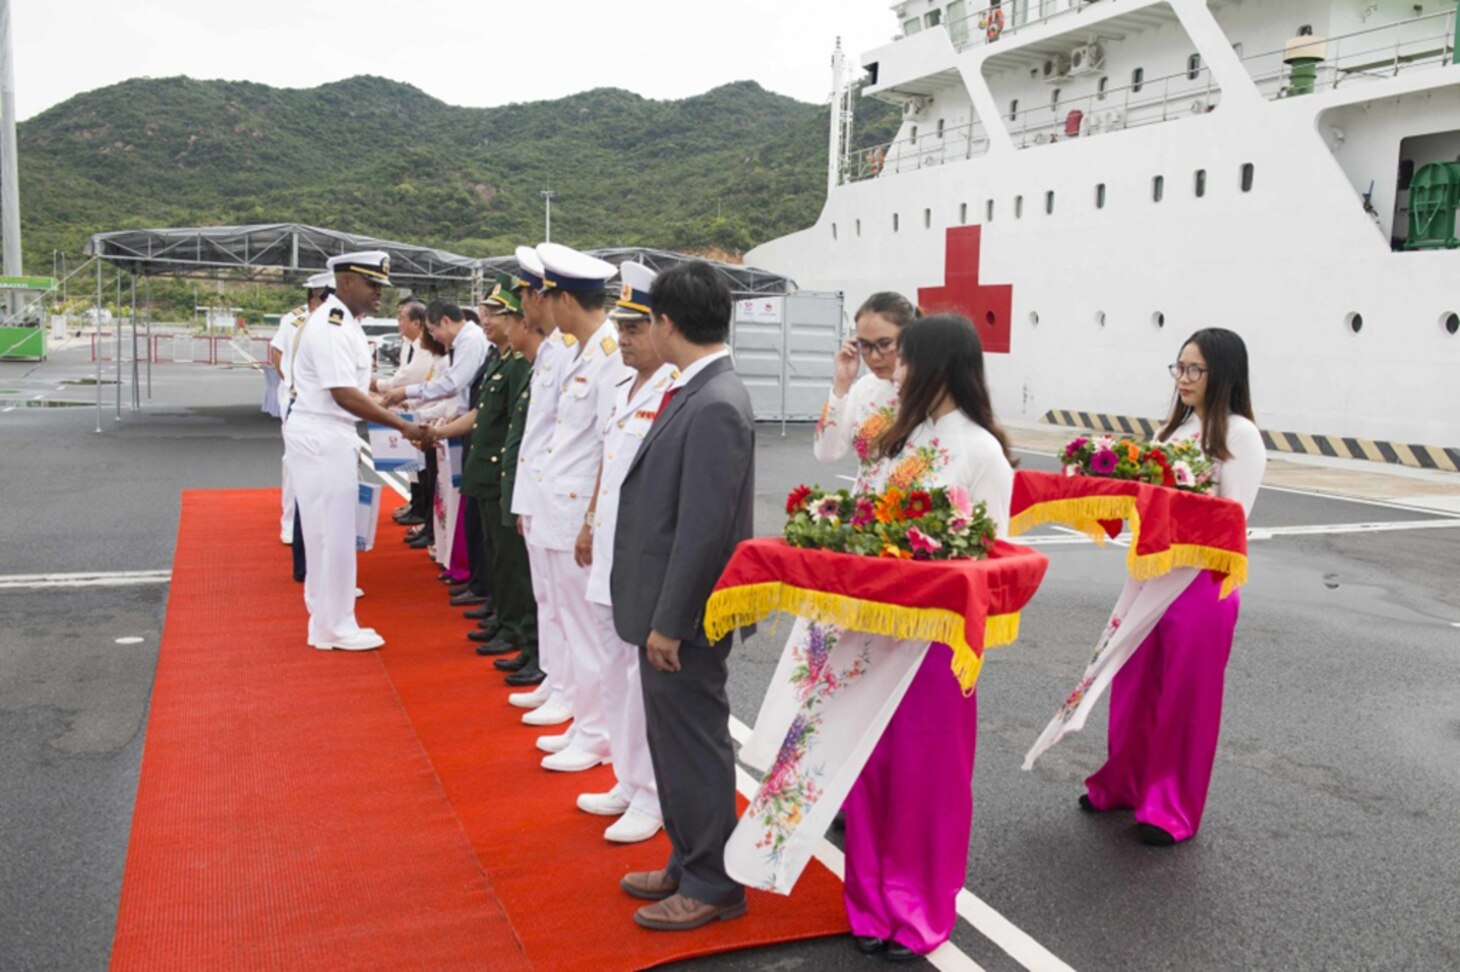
x: 1193, y: 372
x: 879, y: 348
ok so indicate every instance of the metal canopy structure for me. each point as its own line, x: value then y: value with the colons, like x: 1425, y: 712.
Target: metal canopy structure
x: 289, y: 250
x: 743, y: 281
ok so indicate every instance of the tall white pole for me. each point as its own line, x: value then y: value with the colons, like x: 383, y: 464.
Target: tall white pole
x: 547, y: 198
x: 834, y: 151
x: 9, y: 165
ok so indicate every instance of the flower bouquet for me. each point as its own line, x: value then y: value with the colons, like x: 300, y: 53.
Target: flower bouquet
x: 917, y: 524
x: 1179, y: 465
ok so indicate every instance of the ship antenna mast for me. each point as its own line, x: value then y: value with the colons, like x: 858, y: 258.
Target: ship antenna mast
x: 842, y: 95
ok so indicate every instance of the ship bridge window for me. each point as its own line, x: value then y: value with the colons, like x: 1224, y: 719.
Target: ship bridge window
x: 1193, y: 67
x: 1247, y: 173
x: 1100, y: 196
x: 1137, y: 79
x: 1200, y: 186
x: 1158, y: 188
x: 933, y: 18
x: 912, y: 26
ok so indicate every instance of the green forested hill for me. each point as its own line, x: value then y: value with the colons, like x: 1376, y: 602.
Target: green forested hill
x: 726, y: 169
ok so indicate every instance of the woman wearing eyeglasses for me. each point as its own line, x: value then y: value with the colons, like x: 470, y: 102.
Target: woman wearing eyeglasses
x: 1166, y: 701
x: 858, y: 409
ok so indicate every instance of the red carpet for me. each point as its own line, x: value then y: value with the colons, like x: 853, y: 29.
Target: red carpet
x: 318, y: 810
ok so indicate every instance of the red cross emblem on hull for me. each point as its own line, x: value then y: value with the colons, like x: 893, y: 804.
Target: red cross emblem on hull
x: 989, y: 306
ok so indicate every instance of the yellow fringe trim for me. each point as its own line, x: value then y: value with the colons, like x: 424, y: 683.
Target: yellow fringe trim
x: 1085, y: 513
x: 738, y: 607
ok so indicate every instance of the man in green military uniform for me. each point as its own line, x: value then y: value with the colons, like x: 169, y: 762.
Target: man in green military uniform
x: 515, y: 628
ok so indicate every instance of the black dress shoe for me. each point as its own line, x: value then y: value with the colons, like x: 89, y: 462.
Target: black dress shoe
x: 421, y: 542
x: 1086, y: 804
x: 499, y: 646
x: 299, y: 578
x: 871, y: 946
x: 514, y: 664
x: 839, y: 822
x: 1154, y: 836
x: 489, y: 623
x: 482, y: 636
x: 455, y: 588
x: 466, y: 598
x: 478, y: 613
x: 530, y: 675
x: 414, y: 532
x: 901, y: 953
x: 410, y: 519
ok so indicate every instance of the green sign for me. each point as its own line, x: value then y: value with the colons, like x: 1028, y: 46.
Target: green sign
x: 26, y: 283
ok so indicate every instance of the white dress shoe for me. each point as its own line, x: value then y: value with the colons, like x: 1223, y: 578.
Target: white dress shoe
x: 573, y: 760
x: 548, y: 714
x: 555, y: 744
x: 359, y: 593
x: 287, y: 539
x: 530, y: 700
x: 633, y: 827
x: 608, y: 804
x: 363, y: 640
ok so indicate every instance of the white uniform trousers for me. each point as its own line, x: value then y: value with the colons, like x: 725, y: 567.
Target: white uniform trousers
x: 551, y: 649
x: 623, y: 706
x: 583, y: 666
x: 286, y: 485
x: 323, y: 456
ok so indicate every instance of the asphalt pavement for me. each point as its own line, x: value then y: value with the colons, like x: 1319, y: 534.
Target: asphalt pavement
x: 1332, y: 834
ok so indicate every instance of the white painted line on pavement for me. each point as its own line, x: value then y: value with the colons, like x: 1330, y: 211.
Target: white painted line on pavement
x: 117, y: 578
x: 985, y: 920
x: 1334, y: 529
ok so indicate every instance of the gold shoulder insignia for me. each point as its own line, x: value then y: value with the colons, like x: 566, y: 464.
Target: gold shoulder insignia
x: 609, y: 345
x: 337, y: 316
x: 569, y: 340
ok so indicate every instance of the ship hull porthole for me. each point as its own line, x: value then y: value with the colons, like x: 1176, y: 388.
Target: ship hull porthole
x: 1354, y: 322
x: 1450, y: 321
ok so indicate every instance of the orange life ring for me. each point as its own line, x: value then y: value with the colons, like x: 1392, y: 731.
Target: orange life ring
x: 995, y: 24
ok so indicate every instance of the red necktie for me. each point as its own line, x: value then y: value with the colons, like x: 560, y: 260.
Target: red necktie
x: 664, y: 402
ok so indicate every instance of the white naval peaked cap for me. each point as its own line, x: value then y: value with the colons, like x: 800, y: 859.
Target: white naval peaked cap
x: 564, y: 268
x: 633, y: 299
x: 374, y: 264
x: 530, y: 272
x: 320, y: 281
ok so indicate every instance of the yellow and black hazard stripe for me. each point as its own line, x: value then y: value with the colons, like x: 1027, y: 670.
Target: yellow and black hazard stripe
x: 1443, y: 458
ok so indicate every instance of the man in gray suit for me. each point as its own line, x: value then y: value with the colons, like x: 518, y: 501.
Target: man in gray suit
x: 684, y: 505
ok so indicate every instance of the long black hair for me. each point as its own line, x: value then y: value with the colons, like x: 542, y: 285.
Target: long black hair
x: 1228, y: 390
x: 941, y: 353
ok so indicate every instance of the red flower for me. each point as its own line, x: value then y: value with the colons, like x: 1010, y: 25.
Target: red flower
x: 796, y: 502
x: 919, y: 504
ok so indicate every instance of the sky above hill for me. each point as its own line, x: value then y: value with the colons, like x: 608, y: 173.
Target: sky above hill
x: 472, y: 53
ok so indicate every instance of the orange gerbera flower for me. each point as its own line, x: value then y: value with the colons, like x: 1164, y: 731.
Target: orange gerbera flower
x: 1133, y: 451
x: 897, y: 553
x: 889, y: 506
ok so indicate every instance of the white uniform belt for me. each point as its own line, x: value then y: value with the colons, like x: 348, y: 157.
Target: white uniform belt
x: 342, y: 420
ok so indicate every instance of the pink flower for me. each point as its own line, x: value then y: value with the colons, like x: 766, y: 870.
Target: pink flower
x: 1103, y: 463
x: 865, y: 512
x: 962, y: 503
x: 1075, y: 447
x: 958, y: 524
x: 1183, y: 474
x: 920, y: 541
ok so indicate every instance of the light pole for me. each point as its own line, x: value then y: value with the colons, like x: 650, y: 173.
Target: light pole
x: 547, y: 200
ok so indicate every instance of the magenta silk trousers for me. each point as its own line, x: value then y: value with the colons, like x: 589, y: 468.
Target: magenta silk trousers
x: 910, y: 813
x: 1166, y: 712
x: 460, y: 568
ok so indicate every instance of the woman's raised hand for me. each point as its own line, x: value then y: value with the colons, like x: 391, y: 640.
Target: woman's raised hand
x: 848, y: 361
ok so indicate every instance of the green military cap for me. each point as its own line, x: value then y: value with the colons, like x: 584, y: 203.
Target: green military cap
x: 502, y: 296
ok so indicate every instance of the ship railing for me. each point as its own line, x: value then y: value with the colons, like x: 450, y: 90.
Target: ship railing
x: 973, y: 29
x: 1423, y: 42
x: 1180, y: 95
x: 928, y: 149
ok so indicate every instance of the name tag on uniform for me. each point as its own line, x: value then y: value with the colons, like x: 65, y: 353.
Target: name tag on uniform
x: 581, y: 378
x: 645, y: 413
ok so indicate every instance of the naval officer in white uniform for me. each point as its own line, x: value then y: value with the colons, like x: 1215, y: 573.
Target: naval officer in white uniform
x: 331, y: 368
x: 636, y: 402
x: 576, y: 287
x: 281, y: 355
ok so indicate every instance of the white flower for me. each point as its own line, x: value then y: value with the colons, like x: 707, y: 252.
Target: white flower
x: 1183, y: 474
x: 1105, y: 442
x: 1070, y: 471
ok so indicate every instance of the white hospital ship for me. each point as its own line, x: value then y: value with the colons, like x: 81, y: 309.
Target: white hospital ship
x: 1093, y: 180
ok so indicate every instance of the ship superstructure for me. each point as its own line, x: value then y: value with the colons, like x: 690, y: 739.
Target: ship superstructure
x: 1092, y: 181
